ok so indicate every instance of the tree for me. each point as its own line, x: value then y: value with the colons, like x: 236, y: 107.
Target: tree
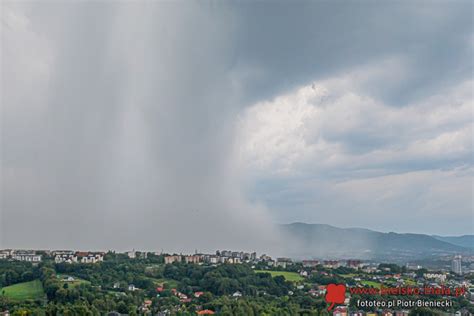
x: 122, y: 308
x: 226, y: 311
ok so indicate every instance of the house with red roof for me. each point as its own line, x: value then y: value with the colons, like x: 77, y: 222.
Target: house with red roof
x: 206, y: 312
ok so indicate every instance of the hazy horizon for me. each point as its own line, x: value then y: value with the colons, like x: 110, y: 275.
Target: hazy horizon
x: 184, y: 125
x: 273, y: 251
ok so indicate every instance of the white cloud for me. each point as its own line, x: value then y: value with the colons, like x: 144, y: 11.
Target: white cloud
x: 333, y: 124
x: 331, y: 152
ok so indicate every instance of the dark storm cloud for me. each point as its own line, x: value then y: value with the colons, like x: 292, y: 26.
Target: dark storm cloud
x: 290, y: 44
x: 132, y: 135
x: 118, y: 118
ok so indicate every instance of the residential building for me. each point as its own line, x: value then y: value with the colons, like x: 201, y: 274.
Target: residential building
x: 192, y: 259
x: 226, y: 253
x: 171, y: 259
x: 456, y: 264
x: 283, y: 262
x: 206, y: 312
x: 340, y: 311
x: 213, y: 259
x: 369, y: 269
x: 331, y: 263
x: 310, y: 263
x: 81, y: 254
x: 9, y: 252
x: 355, y: 264
x: 65, y: 258
x: 264, y: 257
x: 470, y: 294
x: 438, y: 277
x: 29, y: 256
x: 90, y: 257
x: 413, y: 266
x: 237, y: 294
x: 54, y: 253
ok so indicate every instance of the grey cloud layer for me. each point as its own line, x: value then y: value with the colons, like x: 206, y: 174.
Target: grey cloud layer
x: 130, y: 143
x: 289, y: 45
x: 118, y: 119
x: 338, y: 155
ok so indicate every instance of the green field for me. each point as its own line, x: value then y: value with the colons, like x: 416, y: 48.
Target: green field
x: 409, y: 282
x: 349, y: 275
x: 71, y: 284
x: 371, y: 283
x: 289, y: 276
x: 167, y: 283
x: 24, y: 291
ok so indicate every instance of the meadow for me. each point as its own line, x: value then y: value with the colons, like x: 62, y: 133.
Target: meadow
x: 289, y: 276
x: 24, y: 291
x: 71, y: 284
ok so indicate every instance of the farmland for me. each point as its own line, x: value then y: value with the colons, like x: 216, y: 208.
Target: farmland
x: 23, y: 291
x: 289, y: 276
x: 371, y: 283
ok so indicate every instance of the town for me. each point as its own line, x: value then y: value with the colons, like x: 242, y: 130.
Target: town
x: 68, y: 282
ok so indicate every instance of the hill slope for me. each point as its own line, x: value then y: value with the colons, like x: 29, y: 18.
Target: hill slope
x: 23, y: 291
x: 320, y: 240
x: 466, y: 241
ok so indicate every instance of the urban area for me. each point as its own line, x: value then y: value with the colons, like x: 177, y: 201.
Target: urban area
x: 67, y: 282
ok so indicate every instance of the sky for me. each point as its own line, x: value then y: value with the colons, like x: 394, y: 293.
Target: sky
x: 201, y: 125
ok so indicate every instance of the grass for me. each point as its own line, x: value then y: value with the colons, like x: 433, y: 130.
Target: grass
x: 349, y: 275
x: 167, y: 283
x: 289, y: 276
x: 24, y: 291
x: 410, y: 282
x: 371, y: 283
x: 71, y: 284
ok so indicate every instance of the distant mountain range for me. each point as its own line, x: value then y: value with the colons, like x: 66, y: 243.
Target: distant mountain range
x: 466, y: 241
x: 326, y: 241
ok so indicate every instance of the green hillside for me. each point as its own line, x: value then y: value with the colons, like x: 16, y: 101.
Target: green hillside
x: 24, y: 291
x: 77, y: 281
x: 289, y: 276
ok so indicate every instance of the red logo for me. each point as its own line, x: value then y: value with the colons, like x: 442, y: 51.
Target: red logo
x: 335, y: 294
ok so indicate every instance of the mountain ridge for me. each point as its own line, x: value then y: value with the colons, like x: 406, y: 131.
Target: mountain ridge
x: 466, y: 241
x: 372, y: 230
x: 324, y: 240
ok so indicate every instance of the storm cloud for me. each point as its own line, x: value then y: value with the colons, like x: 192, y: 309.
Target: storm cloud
x: 126, y: 125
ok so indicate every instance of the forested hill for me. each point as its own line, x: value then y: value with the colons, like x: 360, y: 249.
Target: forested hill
x: 321, y: 240
x: 466, y: 241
